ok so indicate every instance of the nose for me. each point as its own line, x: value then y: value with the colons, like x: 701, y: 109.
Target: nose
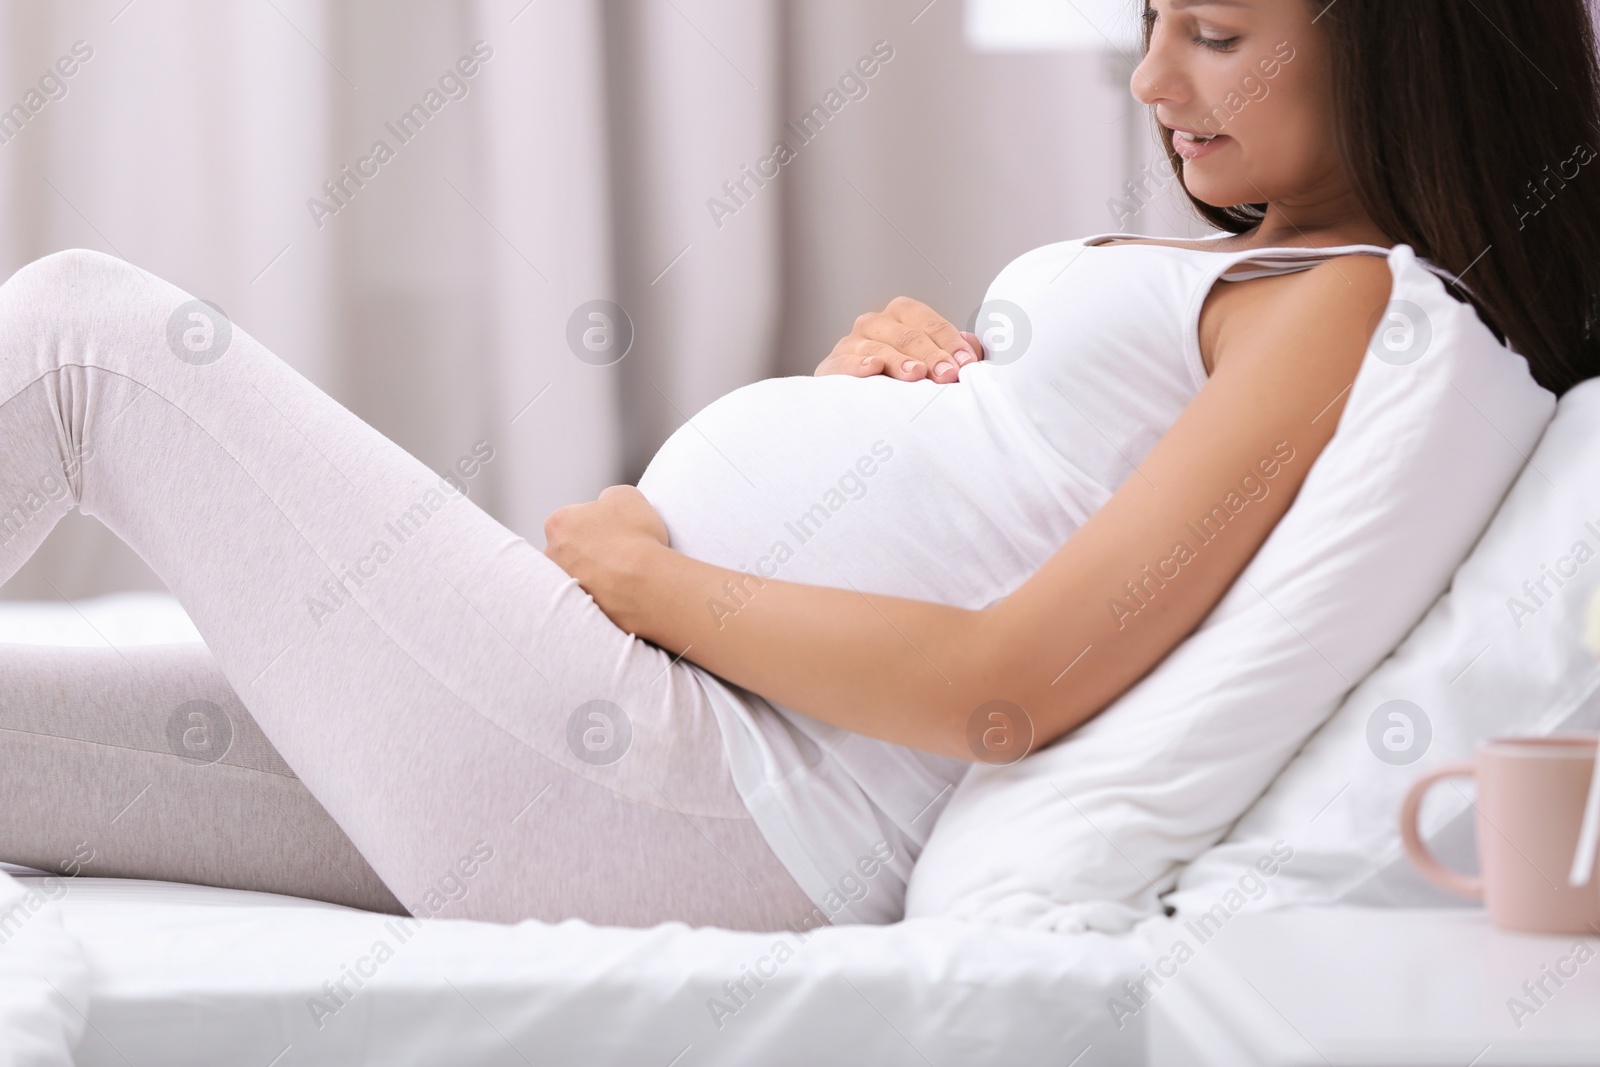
x: 1155, y: 80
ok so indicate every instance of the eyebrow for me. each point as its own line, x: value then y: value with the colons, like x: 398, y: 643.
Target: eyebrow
x: 1179, y: 5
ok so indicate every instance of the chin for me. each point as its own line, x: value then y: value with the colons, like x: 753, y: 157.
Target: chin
x: 1220, y: 194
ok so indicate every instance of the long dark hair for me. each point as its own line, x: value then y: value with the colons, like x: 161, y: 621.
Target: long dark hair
x: 1469, y: 130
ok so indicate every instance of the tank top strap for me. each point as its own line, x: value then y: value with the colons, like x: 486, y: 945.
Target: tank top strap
x: 1258, y: 265
x: 1268, y: 263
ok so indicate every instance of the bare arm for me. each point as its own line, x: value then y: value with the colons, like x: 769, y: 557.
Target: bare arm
x: 1124, y: 590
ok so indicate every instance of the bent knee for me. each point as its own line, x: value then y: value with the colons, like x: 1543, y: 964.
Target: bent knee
x: 70, y: 293
x: 69, y: 269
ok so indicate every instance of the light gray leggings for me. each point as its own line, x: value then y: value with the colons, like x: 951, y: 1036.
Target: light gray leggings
x: 469, y: 735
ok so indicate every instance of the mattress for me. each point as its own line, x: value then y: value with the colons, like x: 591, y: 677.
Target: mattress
x: 182, y: 975
x: 122, y: 971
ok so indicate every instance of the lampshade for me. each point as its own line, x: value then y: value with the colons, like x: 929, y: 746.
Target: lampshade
x: 1053, y: 25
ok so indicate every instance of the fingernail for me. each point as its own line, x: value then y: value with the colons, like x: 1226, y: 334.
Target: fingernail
x: 865, y: 360
x: 909, y: 365
x: 963, y: 357
x: 944, y: 366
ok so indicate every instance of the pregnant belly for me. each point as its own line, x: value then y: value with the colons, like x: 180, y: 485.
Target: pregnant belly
x: 871, y: 483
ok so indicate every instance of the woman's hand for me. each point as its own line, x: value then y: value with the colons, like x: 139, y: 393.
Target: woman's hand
x: 906, y: 340
x: 605, y: 545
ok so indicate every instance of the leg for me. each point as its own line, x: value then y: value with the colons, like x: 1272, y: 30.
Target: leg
x: 147, y: 756
x: 428, y: 675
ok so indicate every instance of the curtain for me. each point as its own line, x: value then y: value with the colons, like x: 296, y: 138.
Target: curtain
x: 560, y: 227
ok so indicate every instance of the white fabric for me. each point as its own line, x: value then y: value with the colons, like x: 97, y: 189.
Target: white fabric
x: 1494, y: 656
x: 44, y: 978
x: 955, y: 493
x: 190, y: 975
x: 917, y: 993
x: 114, y: 620
x: 1091, y: 830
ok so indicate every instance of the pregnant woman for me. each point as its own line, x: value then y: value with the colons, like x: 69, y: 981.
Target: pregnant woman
x: 741, y: 693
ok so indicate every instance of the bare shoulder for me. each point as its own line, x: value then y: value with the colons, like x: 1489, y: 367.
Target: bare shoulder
x: 1321, y: 317
x: 1336, y: 288
x: 1340, y: 285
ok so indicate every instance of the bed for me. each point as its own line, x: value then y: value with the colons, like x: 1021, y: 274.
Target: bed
x: 139, y: 972
x: 142, y: 972
x: 190, y: 975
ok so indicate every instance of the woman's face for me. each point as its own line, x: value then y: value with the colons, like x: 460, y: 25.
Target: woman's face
x: 1254, y: 73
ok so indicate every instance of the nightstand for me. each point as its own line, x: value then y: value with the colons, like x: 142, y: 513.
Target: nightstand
x: 1338, y: 987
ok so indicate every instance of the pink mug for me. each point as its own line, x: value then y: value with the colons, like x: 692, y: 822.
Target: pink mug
x: 1531, y: 794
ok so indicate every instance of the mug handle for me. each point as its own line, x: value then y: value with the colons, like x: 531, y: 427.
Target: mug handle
x: 1468, y: 885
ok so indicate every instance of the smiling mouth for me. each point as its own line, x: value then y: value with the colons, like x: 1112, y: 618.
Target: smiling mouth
x: 1190, y: 146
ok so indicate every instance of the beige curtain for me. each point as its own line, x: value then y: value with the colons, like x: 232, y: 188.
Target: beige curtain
x: 598, y: 151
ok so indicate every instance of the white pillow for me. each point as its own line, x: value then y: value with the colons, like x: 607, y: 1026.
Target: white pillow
x: 1492, y: 657
x: 1089, y: 831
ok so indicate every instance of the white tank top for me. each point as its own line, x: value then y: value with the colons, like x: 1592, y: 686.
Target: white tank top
x: 952, y: 493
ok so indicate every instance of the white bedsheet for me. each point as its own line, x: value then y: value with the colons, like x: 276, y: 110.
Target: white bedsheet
x: 188, y: 975
x: 116, y: 619
x: 44, y: 976
x: 152, y: 973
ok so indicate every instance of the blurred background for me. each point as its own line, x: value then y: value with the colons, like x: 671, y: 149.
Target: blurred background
x: 610, y: 158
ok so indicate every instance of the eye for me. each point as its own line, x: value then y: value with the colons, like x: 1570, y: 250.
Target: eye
x: 1216, y: 44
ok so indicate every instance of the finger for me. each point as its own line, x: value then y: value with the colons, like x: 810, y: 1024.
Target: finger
x: 880, y: 358
x: 975, y: 342
x: 846, y: 359
x: 910, y: 340
x: 833, y: 364
x: 843, y: 360
x: 866, y: 359
x: 940, y: 330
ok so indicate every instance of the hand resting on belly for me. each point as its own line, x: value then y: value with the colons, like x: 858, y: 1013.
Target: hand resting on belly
x: 914, y: 671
